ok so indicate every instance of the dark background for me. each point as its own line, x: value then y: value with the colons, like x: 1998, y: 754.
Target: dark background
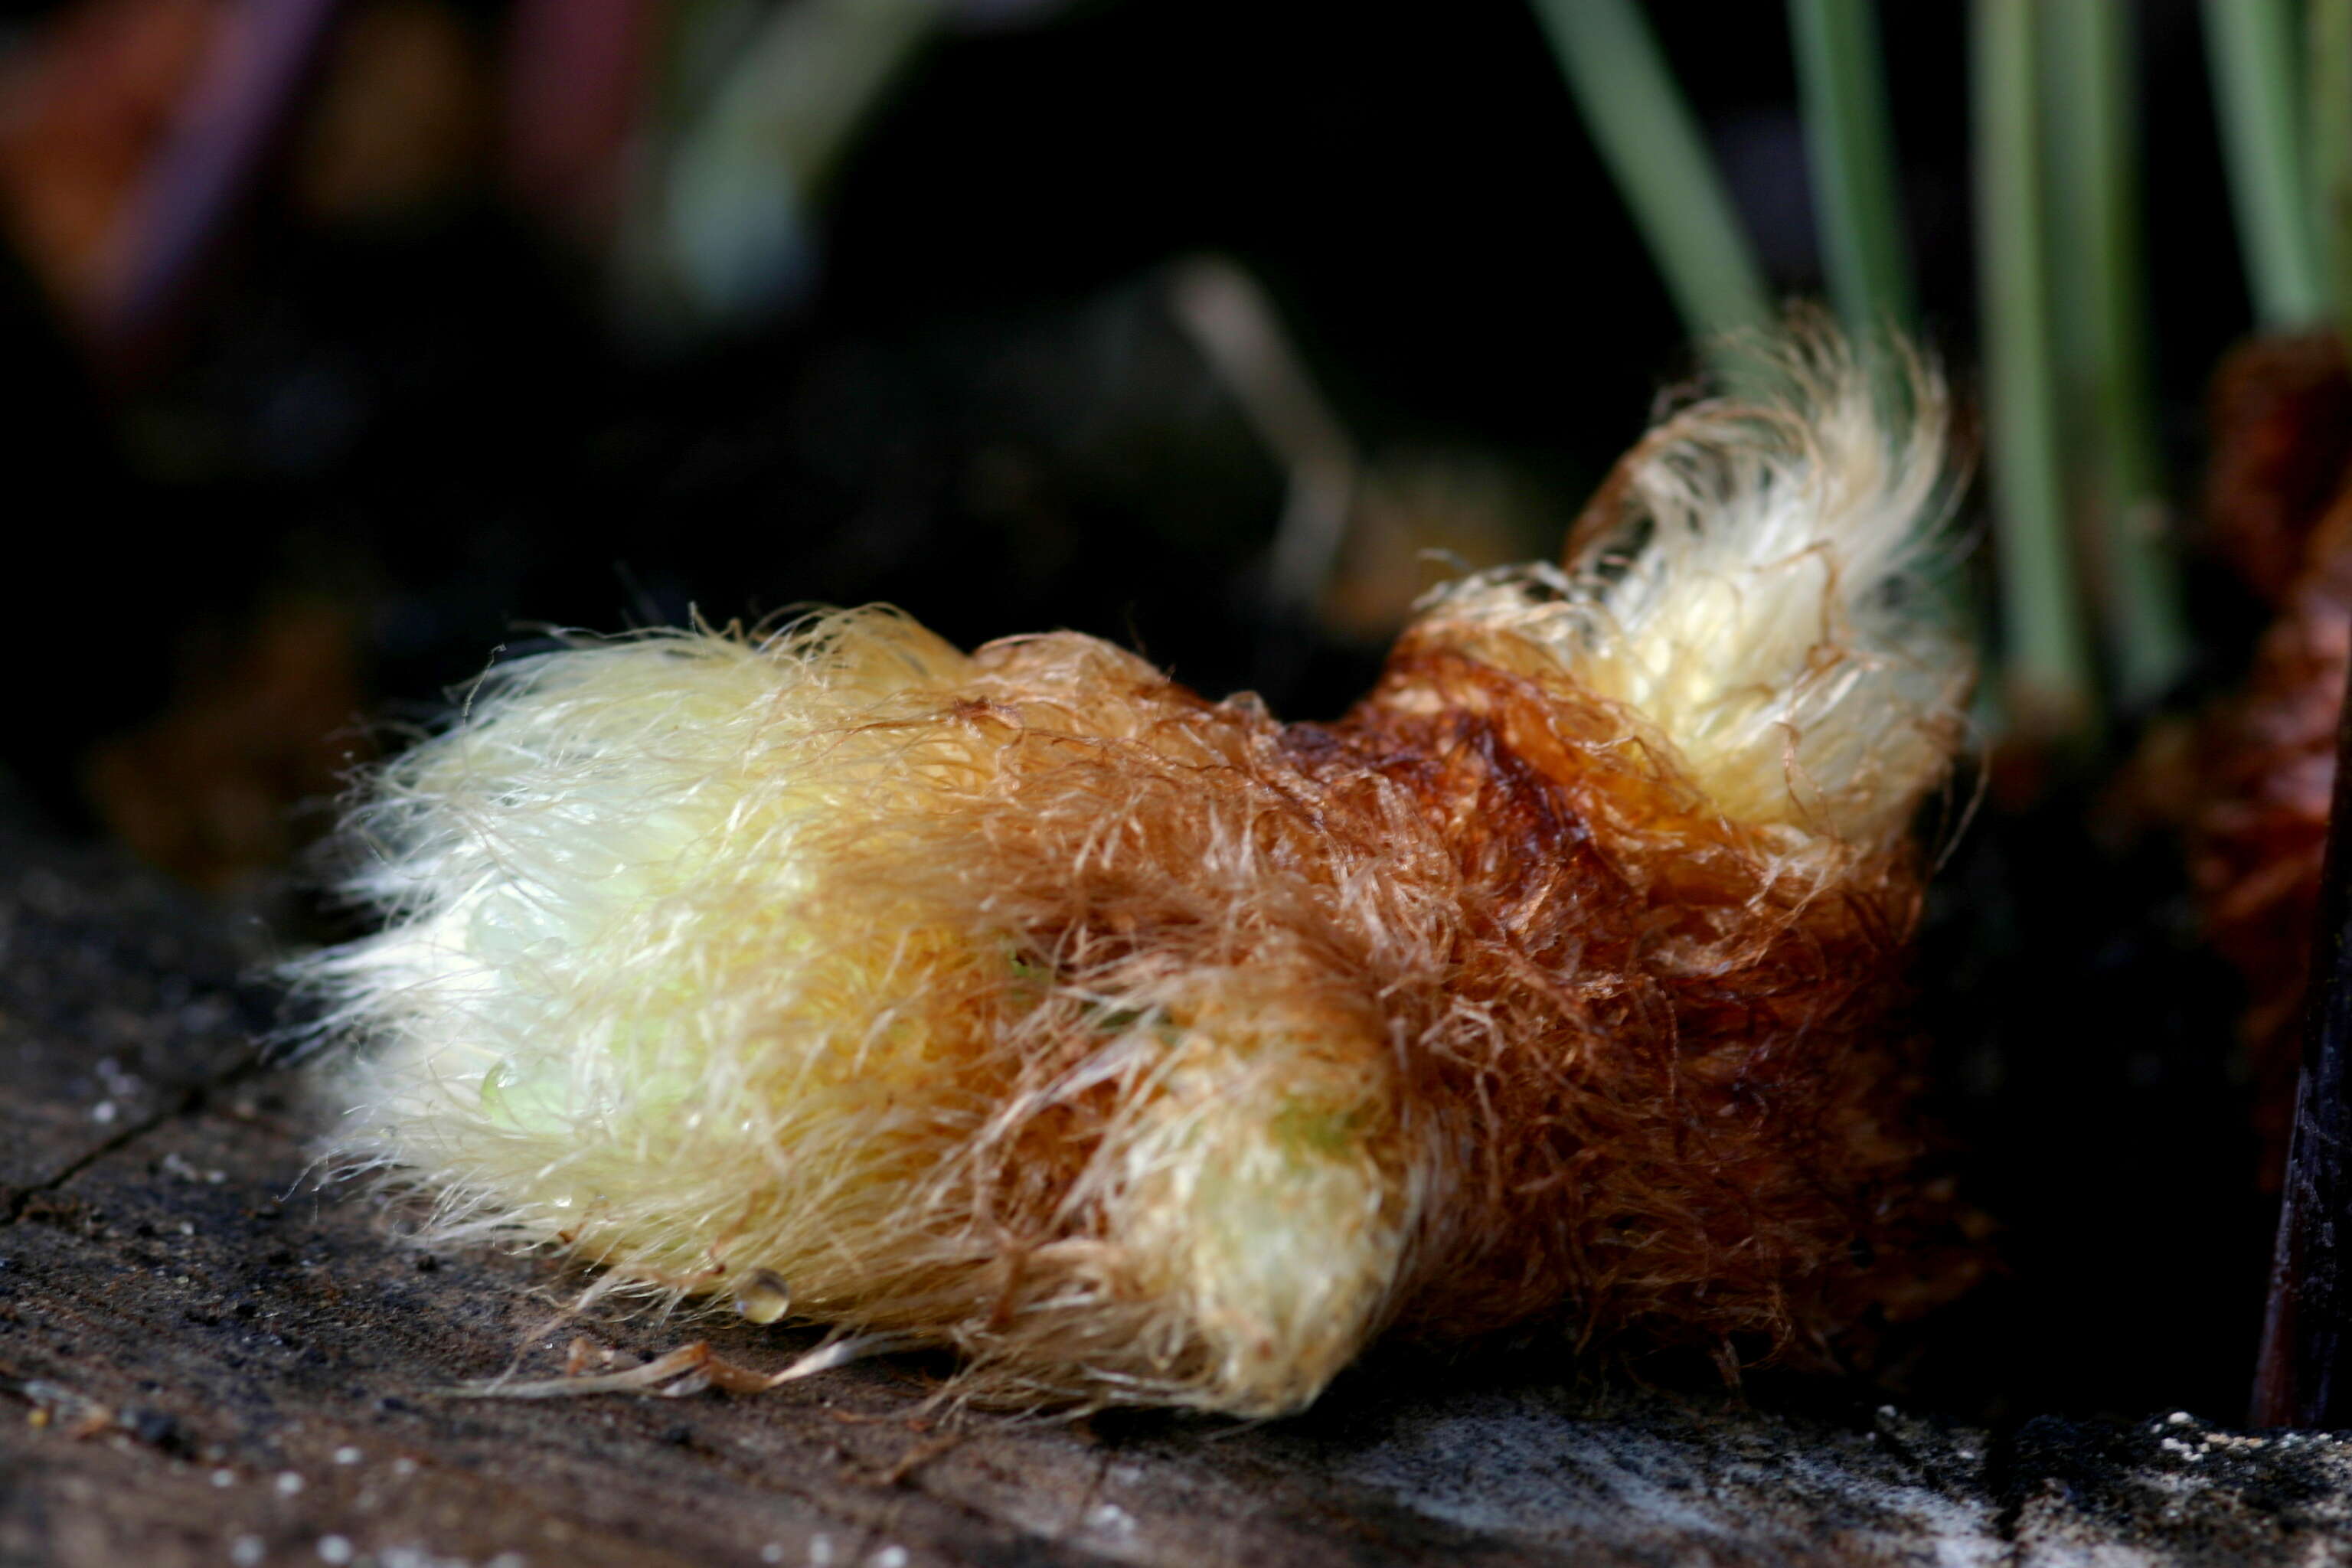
x: 444, y: 407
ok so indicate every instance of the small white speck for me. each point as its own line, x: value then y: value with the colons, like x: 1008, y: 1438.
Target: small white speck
x: 1110, y: 1518
x: 2181, y: 1418
x: 1964, y: 1454
x: 187, y: 1227
x: 348, y: 1456
x: 773, y: 1552
x: 334, y: 1548
x: 223, y: 1477
x: 289, y: 1483
x: 103, y: 1113
x: 821, y: 1551
x: 246, y: 1550
x: 403, y: 1466
x: 507, y: 1560
x: 215, y: 1178
x: 891, y: 1557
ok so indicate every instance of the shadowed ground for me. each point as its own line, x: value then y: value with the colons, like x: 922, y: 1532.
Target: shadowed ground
x: 206, y: 1359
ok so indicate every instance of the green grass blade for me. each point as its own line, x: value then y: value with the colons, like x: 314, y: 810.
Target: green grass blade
x: 2330, y: 106
x: 2047, y: 670
x: 1851, y: 146
x: 2099, y: 271
x: 1646, y: 135
x: 2258, y: 94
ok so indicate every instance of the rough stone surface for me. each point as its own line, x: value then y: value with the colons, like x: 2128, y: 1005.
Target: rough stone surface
x: 207, y: 1358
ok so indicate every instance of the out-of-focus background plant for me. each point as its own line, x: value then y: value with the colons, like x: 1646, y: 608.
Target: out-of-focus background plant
x: 349, y: 339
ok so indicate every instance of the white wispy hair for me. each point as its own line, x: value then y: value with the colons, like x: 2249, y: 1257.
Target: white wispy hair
x: 1762, y: 580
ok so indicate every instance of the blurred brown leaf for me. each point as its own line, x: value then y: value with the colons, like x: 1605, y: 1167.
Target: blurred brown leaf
x: 261, y: 720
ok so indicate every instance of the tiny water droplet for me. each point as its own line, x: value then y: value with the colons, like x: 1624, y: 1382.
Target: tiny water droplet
x: 764, y: 1297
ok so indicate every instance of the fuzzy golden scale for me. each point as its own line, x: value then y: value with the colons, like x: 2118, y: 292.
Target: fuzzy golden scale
x: 1145, y: 1050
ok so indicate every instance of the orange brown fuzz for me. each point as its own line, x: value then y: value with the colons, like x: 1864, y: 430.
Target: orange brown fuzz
x: 1714, y: 1141
x: 1664, y: 1059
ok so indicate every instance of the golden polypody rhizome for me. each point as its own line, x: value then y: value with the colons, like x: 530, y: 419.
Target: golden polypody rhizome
x: 1145, y: 1050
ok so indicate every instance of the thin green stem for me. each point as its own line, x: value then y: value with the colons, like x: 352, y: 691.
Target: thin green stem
x: 1851, y: 144
x: 2330, y: 105
x: 2048, y: 671
x: 759, y: 106
x: 2099, y: 282
x: 1646, y: 135
x: 2258, y: 95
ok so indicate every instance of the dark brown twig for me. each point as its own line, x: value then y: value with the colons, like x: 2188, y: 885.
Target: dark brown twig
x: 2302, y: 1378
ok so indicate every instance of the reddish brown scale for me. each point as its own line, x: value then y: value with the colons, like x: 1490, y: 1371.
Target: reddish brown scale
x: 2280, y: 413
x: 2281, y: 417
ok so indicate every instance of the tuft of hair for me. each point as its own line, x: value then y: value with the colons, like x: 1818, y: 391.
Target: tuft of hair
x: 1145, y: 1050
x: 1763, y: 579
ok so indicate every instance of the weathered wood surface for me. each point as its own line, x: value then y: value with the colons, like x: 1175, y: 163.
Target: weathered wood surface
x: 205, y: 1358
